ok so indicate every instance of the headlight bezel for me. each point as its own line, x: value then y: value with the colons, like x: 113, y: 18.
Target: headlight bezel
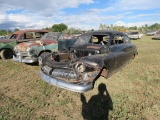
x: 30, y: 51
x: 80, y: 67
x: 15, y: 49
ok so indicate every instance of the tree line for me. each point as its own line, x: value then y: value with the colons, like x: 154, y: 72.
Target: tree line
x: 143, y: 28
x: 64, y: 28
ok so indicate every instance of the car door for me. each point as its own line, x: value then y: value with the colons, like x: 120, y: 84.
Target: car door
x: 129, y: 50
x: 118, y: 48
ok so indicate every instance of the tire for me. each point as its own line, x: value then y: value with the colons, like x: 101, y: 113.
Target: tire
x: 6, y: 54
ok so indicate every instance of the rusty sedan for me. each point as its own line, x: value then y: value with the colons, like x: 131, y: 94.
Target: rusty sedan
x: 94, y: 54
x: 28, y: 52
x: 7, y: 45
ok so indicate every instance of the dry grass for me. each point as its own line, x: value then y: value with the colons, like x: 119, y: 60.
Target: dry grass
x: 134, y: 90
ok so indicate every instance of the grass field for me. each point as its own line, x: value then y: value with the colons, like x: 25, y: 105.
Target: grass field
x: 133, y: 93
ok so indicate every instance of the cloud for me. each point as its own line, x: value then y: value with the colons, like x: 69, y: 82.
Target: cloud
x: 131, y: 24
x: 39, y: 14
x: 137, y: 4
x: 42, y: 6
x: 121, y: 5
x: 35, y: 13
x: 144, y: 15
x: 11, y: 25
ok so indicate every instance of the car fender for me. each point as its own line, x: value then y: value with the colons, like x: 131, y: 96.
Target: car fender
x: 45, y: 48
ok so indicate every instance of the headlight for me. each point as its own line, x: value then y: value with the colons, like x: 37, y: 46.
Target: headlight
x: 15, y: 49
x: 30, y: 51
x: 80, y: 67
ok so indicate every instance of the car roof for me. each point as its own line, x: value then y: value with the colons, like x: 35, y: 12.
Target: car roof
x: 103, y: 32
x: 23, y: 31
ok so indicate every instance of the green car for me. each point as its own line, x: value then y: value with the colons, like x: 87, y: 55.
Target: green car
x: 28, y: 52
x: 7, y: 45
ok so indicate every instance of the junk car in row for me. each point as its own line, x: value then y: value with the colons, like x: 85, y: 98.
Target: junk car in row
x: 94, y: 54
x: 28, y: 52
x: 7, y: 45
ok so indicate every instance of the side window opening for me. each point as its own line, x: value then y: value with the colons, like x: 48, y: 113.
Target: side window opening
x: 117, y: 39
x: 95, y: 40
x: 28, y: 35
x: 100, y: 39
x: 37, y: 35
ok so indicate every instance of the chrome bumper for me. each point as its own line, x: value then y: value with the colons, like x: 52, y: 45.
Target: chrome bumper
x: 24, y: 59
x: 65, y: 85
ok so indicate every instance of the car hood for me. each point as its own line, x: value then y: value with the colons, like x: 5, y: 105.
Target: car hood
x: 23, y: 46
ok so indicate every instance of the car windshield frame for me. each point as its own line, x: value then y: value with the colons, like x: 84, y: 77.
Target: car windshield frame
x: 51, y: 36
x: 84, y: 39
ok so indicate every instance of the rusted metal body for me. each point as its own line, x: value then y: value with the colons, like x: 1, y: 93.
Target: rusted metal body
x: 19, y: 37
x: 93, y: 54
x: 28, y: 52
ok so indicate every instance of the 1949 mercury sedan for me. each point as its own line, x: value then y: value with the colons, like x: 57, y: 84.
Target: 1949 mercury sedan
x: 94, y: 54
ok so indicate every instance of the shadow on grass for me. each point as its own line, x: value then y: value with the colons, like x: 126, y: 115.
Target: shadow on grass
x: 155, y: 38
x: 98, y: 106
x: 33, y: 64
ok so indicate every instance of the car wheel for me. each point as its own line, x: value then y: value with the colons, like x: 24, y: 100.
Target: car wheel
x: 6, y: 54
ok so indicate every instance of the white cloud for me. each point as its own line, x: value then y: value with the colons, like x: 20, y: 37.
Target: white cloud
x: 120, y: 5
x: 131, y: 24
x: 137, y: 4
x: 2, y: 17
x: 40, y: 14
x: 18, y: 18
x: 144, y: 15
x: 42, y: 6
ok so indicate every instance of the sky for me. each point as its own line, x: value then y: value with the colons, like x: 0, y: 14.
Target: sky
x: 79, y: 14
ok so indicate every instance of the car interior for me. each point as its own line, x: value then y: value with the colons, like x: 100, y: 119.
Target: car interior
x: 104, y: 39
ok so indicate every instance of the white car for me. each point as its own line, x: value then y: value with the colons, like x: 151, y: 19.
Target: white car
x: 149, y: 33
x: 134, y: 35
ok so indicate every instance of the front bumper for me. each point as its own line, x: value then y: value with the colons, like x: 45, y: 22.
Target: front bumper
x: 66, y: 85
x: 21, y: 57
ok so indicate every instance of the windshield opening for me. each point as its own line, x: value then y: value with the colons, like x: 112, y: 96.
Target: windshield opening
x: 94, y: 39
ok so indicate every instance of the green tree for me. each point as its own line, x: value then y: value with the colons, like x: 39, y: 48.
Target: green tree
x: 47, y: 28
x: 133, y: 28
x: 72, y: 31
x: 103, y: 27
x: 155, y: 26
x: 5, y: 32
x: 59, y: 27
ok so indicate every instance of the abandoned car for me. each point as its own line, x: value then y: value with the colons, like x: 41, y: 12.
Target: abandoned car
x: 134, y: 35
x: 94, y: 54
x: 157, y: 36
x: 151, y: 33
x: 28, y: 52
x: 7, y: 45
